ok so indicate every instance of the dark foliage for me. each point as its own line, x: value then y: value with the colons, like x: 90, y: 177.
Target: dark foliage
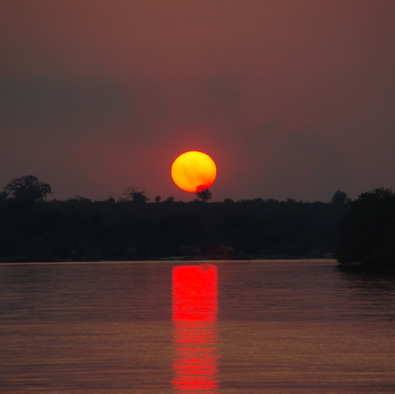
x: 27, y: 188
x: 203, y: 194
x: 135, y: 195
x: 368, y: 232
x: 80, y: 229
x: 339, y: 198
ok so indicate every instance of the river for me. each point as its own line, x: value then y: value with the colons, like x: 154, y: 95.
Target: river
x: 273, y: 326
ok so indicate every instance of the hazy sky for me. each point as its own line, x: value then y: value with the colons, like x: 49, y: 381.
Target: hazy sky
x: 291, y: 98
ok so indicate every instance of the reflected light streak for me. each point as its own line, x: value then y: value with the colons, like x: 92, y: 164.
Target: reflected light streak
x: 195, y: 306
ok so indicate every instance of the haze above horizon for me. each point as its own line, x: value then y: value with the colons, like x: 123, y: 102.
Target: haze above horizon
x: 291, y: 99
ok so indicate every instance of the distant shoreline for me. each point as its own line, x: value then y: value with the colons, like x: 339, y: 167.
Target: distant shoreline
x: 164, y: 261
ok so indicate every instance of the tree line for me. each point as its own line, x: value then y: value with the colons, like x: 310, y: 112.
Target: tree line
x: 132, y: 228
x: 367, y: 233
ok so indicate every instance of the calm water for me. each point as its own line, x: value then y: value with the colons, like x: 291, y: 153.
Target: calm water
x: 192, y: 327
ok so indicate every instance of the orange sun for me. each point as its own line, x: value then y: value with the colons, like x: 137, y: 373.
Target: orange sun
x: 193, y: 171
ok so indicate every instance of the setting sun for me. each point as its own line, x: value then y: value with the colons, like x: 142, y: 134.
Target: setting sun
x: 193, y: 171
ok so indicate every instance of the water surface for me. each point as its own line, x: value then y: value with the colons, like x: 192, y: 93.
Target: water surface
x: 297, y: 326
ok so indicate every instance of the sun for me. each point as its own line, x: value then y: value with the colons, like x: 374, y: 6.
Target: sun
x: 193, y: 171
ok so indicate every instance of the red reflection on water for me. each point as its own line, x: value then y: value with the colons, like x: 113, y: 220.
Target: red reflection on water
x: 195, y: 306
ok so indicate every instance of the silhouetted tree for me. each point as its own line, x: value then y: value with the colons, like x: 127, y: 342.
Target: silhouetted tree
x: 339, y: 198
x: 110, y: 200
x: 367, y: 232
x: 157, y: 199
x: 203, y: 194
x: 133, y: 194
x: 27, y: 188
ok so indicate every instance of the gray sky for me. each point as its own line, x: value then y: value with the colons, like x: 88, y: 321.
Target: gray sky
x: 290, y: 98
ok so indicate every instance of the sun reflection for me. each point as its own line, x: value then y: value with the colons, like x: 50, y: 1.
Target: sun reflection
x: 194, y: 317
